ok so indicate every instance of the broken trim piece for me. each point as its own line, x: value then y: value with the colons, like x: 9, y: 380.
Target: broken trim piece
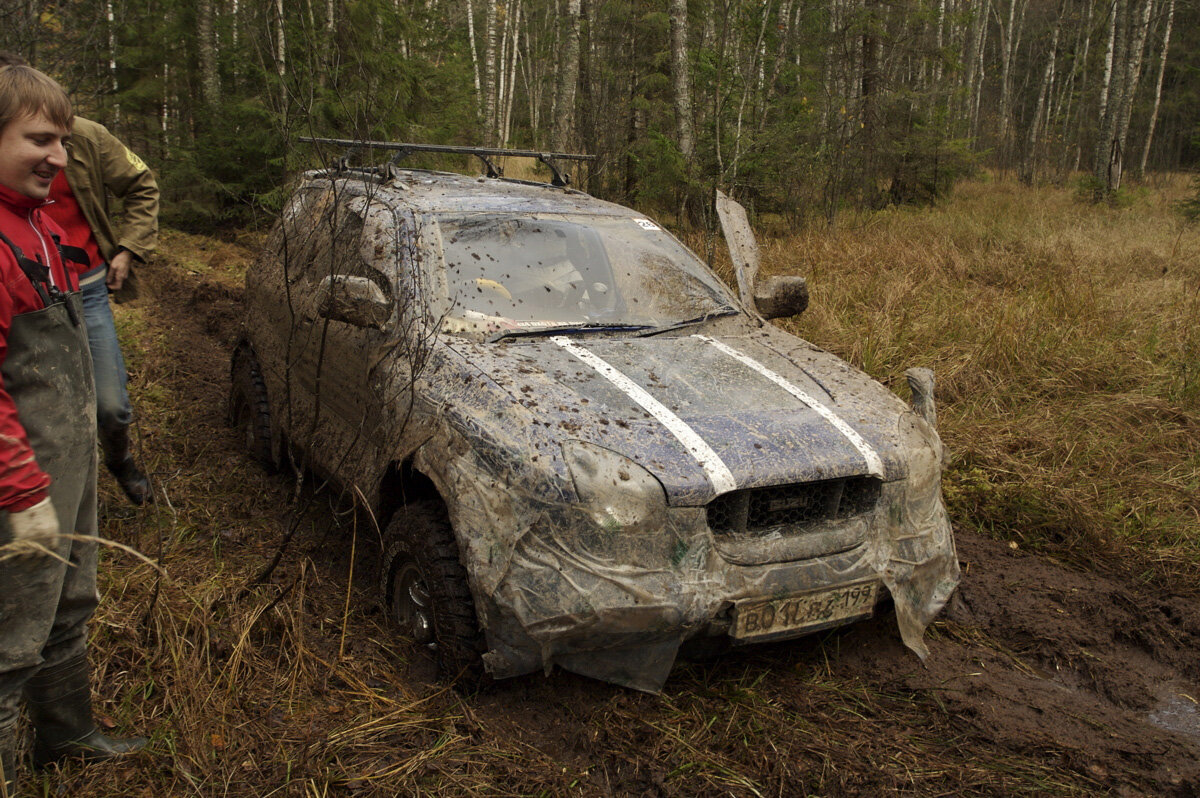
x: 718, y: 473
x: 874, y: 463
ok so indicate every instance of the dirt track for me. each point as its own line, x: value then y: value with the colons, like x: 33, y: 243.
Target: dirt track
x: 1041, y: 680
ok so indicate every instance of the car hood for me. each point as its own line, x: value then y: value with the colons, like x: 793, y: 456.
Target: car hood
x: 705, y: 414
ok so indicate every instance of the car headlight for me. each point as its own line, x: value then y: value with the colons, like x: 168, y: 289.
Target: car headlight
x: 616, y: 492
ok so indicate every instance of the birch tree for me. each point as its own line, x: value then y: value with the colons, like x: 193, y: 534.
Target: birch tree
x: 474, y: 53
x: 1028, y: 165
x: 1158, y: 84
x: 206, y: 44
x: 681, y: 75
x: 1010, y: 40
x: 568, y: 77
x: 491, y: 72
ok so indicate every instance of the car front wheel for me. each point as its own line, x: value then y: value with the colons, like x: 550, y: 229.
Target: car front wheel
x: 248, y: 408
x: 425, y: 588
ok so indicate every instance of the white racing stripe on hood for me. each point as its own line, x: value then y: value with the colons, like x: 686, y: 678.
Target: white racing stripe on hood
x: 874, y: 464
x: 718, y: 473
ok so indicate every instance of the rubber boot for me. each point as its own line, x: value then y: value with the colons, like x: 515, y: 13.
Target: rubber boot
x: 120, y: 462
x: 59, y: 703
x: 8, y: 761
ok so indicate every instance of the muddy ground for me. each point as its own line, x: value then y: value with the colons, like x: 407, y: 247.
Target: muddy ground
x: 1043, y: 679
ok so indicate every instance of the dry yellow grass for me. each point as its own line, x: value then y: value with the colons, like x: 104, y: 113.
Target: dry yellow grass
x: 1066, y: 341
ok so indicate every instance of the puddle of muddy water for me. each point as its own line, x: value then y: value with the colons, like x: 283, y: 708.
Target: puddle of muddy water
x: 1177, y: 711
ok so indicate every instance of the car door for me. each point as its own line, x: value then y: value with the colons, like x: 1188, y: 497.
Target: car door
x: 329, y: 420
x: 366, y: 335
x: 283, y: 294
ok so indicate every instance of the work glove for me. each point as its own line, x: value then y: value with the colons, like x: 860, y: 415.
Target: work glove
x: 36, y: 524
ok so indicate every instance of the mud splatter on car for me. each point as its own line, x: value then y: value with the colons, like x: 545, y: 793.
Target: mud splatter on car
x: 585, y: 448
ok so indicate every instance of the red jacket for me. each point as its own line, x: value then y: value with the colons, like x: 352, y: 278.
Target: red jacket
x: 22, y: 483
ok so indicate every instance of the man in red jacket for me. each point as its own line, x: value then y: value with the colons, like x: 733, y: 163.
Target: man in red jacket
x: 100, y: 167
x: 47, y: 446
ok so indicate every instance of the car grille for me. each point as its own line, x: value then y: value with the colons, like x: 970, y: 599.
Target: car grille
x: 791, y: 508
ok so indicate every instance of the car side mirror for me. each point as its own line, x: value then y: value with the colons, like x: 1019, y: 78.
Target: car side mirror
x: 358, y: 301
x: 781, y: 296
x: 774, y: 298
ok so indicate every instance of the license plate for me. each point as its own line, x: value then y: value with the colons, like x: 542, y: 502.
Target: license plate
x: 785, y: 617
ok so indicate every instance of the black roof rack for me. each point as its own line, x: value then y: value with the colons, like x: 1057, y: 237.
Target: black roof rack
x: 403, y: 150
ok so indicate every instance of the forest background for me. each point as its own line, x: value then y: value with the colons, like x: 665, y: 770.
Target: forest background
x: 797, y: 107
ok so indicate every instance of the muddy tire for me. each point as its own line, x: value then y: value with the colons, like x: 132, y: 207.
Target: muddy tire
x: 248, y: 408
x: 425, y: 589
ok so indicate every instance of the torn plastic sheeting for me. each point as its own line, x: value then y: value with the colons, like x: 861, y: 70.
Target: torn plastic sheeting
x: 559, y: 586
x: 568, y: 597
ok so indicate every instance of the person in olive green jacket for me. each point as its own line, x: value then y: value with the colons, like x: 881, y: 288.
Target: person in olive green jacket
x: 100, y: 167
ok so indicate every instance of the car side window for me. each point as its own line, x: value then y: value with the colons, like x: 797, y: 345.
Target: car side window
x: 376, y: 249
x: 336, y: 242
x: 303, y: 231
x: 320, y: 235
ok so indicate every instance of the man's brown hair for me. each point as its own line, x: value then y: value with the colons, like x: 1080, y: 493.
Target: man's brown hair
x: 24, y: 91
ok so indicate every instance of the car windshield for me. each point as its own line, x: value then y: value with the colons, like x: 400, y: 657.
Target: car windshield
x: 508, y: 272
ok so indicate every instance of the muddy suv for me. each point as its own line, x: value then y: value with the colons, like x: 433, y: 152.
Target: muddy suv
x: 582, y: 447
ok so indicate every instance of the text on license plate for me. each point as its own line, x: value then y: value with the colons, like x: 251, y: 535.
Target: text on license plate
x: 783, y: 616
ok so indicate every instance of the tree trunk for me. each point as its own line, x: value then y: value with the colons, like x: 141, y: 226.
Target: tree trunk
x: 1010, y: 42
x: 556, y: 47
x: 112, y: 59
x: 164, y: 110
x: 490, y: 82
x: 788, y: 30
x: 1162, y: 68
x: 829, y: 75
x: 1106, y: 126
x: 1029, y: 163
x: 325, y: 48
x: 233, y: 12
x: 210, y: 86
x: 681, y: 77
x: 502, y: 84
x: 474, y: 56
x: 1106, y: 83
x: 750, y: 87
x: 940, y: 42
x: 280, y: 53
x: 1140, y: 26
x: 587, y: 58
x: 515, y: 55
x: 976, y: 74
x: 568, y: 77
x: 533, y: 77
x: 1081, y: 70
x: 1112, y: 154
x: 869, y: 94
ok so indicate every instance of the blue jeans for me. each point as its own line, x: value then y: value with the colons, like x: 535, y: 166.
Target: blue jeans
x: 113, y: 412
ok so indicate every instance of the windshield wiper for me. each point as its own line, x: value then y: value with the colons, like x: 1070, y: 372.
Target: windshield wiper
x: 591, y: 326
x: 724, y: 310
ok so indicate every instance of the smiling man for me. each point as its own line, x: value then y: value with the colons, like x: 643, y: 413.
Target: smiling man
x: 47, y: 445
x: 100, y: 168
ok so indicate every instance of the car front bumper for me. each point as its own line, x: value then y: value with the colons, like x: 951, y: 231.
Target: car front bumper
x: 618, y: 608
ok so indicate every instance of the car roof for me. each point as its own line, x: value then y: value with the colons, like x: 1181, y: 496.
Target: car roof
x: 441, y: 192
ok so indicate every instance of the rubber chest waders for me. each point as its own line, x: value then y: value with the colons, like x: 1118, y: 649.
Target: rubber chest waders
x: 45, y: 602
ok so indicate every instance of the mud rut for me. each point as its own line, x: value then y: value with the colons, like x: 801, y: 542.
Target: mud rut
x: 1041, y: 679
